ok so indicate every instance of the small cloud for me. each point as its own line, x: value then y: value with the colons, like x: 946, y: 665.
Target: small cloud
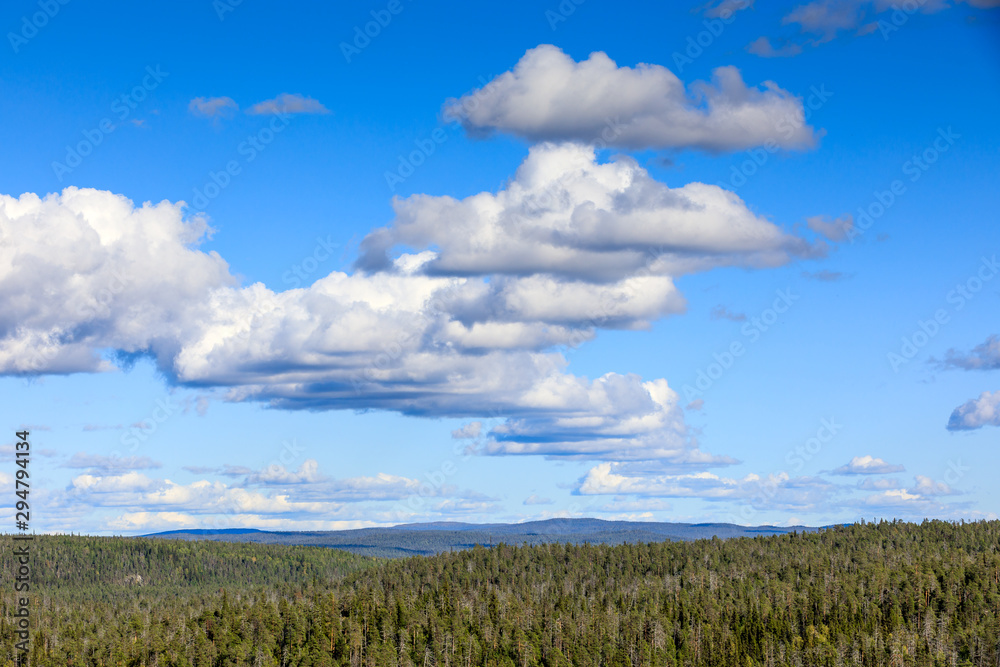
x: 835, y: 230
x: 537, y: 500
x: 213, y: 107
x: 469, y: 431
x: 762, y: 47
x: 928, y: 487
x: 100, y: 427
x: 200, y: 470
x: 882, y: 237
x: 723, y: 313
x: 976, y: 413
x: 235, y: 471
x: 663, y: 161
x: 825, y: 18
x: 726, y: 8
x: 868, y: 465
x: 826, y: 276
x: 111, y: 464
x: 288, y: 103
x: 138, y: 122
x: 880, y: 484
x: 695, y: 405
x: 199, y: 404
x: 276, y: 473
x: 984, y: 357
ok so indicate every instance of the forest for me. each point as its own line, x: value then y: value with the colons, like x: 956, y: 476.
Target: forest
x: 873, y: 594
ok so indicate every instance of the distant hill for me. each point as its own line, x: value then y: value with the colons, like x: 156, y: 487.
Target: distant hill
x: 441, y: 536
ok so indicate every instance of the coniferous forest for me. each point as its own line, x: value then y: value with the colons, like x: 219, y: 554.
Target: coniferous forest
x: 890, y: 594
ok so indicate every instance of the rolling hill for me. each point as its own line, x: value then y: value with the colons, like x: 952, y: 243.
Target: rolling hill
x: 431, y: 538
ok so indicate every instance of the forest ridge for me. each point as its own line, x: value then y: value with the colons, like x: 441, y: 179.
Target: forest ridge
x: 889, y: 593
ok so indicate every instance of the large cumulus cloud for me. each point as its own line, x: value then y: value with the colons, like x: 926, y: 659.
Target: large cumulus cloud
x: 567, y: 215
x: 464, y: 321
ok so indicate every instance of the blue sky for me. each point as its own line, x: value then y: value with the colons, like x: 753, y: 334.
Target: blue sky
x: 725, y: 262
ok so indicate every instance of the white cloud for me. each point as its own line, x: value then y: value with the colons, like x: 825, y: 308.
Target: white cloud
x: 211, y: 107
x: 110, y: 275
x: 550, y: 97
x: 137, y: 491
x: 287, y: 103
x: 976, y: 413
x: 381, y: 487
x: 564, y: 215
x: 276, y: 473
x: 925, y: 486
x: 867, y: 465
x: 893, y: 498
x: 777, y: 490
x: 124, y: 483
x: 469, y: 431
x: 308, y: 483
x: 535, y: 499
x: 463, y: 328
